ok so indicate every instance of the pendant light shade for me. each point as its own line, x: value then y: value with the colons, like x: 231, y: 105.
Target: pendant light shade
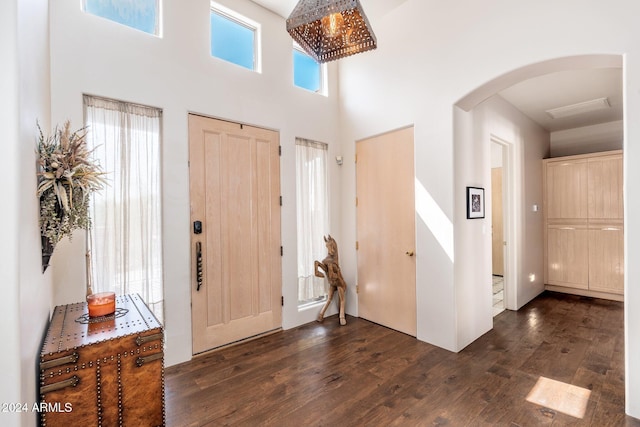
x: 331, y: 29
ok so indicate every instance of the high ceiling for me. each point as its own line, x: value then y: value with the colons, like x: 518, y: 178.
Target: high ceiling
x: 533, y: 97
x: 280, y: 7
x: 373, y: 8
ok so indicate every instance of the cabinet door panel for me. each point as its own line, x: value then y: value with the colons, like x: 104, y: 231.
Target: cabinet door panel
x: 567, y: 189
x: 568, y: 256
x: 606, y: 259
x: 605, y: 188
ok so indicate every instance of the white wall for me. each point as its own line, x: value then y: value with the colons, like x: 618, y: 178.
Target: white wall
x: 528, y: 143
x: 24, y: 84
x: 496, y: 155
x: 438, y: 54
x: 35, y: 287
x: 176, y: 73
x: 632, y: 230
x: 588, y: 139
x: 10, y: 389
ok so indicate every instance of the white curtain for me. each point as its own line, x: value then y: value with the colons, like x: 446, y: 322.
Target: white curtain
x: 125, y: 238
x: 312, y: 216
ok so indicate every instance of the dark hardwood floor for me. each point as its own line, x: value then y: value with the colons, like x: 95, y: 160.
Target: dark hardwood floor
x: 363, y: 374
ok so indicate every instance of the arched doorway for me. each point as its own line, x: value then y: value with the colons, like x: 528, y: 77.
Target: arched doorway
x: 523, y: 206
x: 523, y: 259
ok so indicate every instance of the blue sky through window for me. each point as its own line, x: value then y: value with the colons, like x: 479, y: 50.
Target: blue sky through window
x: 306, y: 71
x: 232, y: 41
x: 139, y: 14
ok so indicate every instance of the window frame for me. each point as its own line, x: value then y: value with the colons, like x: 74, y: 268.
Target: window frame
x: 243, y: 21
x: 322, y: 67
x: 158, y: 25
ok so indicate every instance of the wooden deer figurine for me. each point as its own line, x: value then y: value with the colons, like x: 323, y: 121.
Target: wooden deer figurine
x: 332, y: 271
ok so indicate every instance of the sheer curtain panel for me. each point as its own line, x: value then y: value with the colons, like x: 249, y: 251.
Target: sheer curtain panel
x: 312, y: 216
x: 125, y: 240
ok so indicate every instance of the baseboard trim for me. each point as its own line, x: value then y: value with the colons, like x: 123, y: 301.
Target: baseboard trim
x: 585, y: 292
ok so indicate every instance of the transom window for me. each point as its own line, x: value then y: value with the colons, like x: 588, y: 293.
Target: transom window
x: 143, y: 15
x: 307, y: 73
x: 234, y: 38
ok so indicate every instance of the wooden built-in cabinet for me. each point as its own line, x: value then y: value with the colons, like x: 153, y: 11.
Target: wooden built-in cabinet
x: 584, y: 224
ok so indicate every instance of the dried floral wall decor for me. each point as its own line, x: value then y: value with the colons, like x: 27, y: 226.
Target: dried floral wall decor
x: 66, y: 177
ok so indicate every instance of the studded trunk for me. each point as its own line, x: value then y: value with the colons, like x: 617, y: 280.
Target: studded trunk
x: 105, y: 371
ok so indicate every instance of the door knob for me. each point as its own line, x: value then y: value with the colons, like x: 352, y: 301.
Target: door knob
x: 410, y: 253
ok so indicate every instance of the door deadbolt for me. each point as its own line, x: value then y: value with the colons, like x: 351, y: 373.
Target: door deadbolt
x: 197, y: 227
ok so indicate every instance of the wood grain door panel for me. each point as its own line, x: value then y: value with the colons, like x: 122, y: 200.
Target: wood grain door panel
x: 497, y: 224
x: 606, y: 258
x: 386, y: 230
x: 605, y: 188
x: 567, y: 189
x: 235, y: 192
x: 568, y: 255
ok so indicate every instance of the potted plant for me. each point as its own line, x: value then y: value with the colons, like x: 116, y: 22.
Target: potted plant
x: 67, y: 175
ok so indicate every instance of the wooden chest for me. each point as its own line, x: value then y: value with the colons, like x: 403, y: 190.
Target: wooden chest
x: 104, y: 371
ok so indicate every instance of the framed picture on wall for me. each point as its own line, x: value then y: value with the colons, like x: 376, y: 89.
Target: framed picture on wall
x: 475, y: 202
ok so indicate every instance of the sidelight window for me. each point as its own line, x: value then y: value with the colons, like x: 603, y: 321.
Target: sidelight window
x: 312, y: 201
x: 126, y: 237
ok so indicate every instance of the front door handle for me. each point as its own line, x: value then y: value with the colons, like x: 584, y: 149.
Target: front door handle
x: 410, y: 253
x: 199, y: 272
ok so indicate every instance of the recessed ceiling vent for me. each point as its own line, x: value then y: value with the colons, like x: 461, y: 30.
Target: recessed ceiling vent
x: 579, y: 108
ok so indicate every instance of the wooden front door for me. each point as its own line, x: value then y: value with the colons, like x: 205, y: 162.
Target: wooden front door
x: 386, y: 230
x: 235, y: 195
